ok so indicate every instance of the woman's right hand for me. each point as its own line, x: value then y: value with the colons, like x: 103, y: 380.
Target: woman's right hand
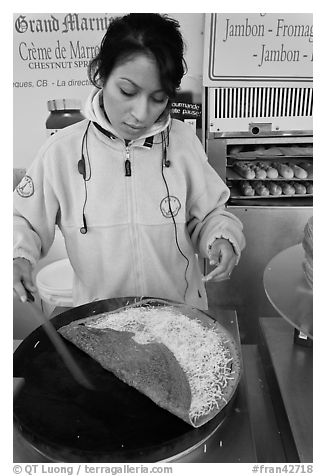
x: 22, y: 278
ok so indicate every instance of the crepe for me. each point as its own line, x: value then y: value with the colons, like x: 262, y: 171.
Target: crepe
x: 176, y: 355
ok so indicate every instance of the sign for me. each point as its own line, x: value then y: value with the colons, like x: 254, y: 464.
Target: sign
x: 257, y: 47
x: 188, y: 112
x: 51, y: 53
x: 47, y: 43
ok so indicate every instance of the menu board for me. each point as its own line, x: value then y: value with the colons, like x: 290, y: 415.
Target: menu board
x: 258, y: 47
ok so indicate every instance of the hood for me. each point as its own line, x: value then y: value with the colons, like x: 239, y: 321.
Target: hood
x: 95, y: 113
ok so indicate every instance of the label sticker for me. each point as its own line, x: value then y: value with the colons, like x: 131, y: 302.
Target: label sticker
x: 25, y: 188
x: 170, y: 206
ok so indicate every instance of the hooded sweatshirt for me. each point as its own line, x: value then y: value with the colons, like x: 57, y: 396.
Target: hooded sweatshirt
x: 146, y: 222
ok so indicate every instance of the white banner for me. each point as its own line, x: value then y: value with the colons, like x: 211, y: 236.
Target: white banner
x: 258, y: 47
x: 51, y: 52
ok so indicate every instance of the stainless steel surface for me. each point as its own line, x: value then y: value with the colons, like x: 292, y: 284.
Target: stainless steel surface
x: 289, y: 372
x: 216, y: 151
x: 272, y: 137
x: 268, y: 231
x: 287, y: 289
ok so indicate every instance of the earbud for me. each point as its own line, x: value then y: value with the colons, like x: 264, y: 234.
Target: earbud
x: 81, y: 167
x: 82, y: 171
x: 83, y: 229
x: 166, y: 162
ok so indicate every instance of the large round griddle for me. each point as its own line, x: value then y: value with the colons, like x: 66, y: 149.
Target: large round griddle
x: 68, y: 423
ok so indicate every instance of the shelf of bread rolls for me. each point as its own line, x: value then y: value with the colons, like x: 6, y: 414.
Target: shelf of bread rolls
x: 271, y: 189
x: 270, y: 169
x: 270, y: 178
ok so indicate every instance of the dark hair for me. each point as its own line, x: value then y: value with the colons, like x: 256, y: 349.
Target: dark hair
x: 152, y: 34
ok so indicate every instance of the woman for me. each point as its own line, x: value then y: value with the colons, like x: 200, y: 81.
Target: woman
x: 130, y: 189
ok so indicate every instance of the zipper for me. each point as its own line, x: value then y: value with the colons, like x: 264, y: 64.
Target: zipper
x: 127, y: 163
x: 134, y: 235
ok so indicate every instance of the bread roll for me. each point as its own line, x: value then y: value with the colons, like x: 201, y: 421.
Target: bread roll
x: 274, y: 188
x: 309, y: 187
x: 299, y: 172
x: 261, y: 189
x: 299, y: 188
x: 284, y: 170
x: 235, y: 149
x: 272, y: 151
x: 246, y: 189
x: 307, y: 166
x: 301, y: 150
x: 260, y: 173
x: 260, y: 150
x: 287, y: 189
x: 244, y: 170
x: 271, y: 172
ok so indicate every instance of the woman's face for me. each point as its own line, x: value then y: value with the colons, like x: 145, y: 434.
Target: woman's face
x: 133, y: 97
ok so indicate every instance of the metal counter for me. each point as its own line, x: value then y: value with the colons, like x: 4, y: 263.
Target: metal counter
x: 268, y: 230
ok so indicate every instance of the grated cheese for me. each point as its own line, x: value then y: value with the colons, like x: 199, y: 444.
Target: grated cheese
x: 201, y: 352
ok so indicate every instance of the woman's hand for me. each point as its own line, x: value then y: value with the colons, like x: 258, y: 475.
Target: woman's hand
x: 221, y: 255
x: 22, y: 278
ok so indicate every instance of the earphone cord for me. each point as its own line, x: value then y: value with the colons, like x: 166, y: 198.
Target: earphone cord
x: 89, y: 168
x: 85, y: 140
x: 164, y: 152
x: 85, y: 201
x: 165, y: 136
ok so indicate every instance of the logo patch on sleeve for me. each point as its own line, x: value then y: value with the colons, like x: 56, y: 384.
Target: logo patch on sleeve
x: 25, y: 188
x: 170, y: 206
